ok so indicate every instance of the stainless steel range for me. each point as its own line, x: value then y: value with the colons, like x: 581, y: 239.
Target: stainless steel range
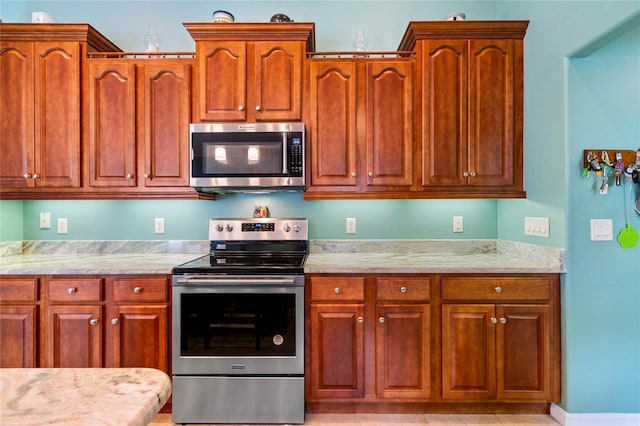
x: 238, y: 325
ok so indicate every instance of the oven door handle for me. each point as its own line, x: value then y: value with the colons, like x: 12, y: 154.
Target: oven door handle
x: 235, y: 280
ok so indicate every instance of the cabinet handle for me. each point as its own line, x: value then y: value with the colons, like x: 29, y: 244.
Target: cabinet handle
x: 137, y: 290
x: 258, y: 107
x: 494, y: 320
x: 36, y: 176
x: 353, y: 174
x: 465, y: 174
x: 114, y: 321
x: 503, y: 320
x: 26, y: 175
x: 72, y: 290
x: 147, y: 175
x: 360, y: 319
x: 498, y: 289
x: 129, y: 176
x: 93, y: 321
x: 240, y: 107
x: 381, y: 320
x: 336, y: 290
x: 370, y: 174
x: 473, y: 174
x: 403, y: 289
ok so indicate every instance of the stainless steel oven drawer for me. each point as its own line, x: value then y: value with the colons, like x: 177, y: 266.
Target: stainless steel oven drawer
x: 216, y: 399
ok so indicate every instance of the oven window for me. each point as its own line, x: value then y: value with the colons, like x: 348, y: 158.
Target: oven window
x: 237, y: 324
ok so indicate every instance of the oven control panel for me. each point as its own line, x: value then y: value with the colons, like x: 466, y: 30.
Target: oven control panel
x: 270, y: 229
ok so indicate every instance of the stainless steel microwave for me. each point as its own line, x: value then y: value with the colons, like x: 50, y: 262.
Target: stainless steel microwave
x: 245, y: 157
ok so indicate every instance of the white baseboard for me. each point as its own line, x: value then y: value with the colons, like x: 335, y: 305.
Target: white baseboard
x: 594, y: 419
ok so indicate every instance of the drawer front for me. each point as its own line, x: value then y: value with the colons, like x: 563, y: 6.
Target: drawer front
x: 74, y: 290
x: 496, y: 288
x: 337, y: 288
x: 141, y: 290
x: 19, y: 290
x: 403, y: 289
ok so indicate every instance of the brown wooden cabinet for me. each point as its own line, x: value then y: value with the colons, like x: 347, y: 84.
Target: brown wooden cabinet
x: 471, y: 84
x: 19, y: 317
x: 360, y: 127
x: 138, y: 120
x: 500, y: 338
x: 369, y: 339
x: 40, y: 99
x: 250, y: 71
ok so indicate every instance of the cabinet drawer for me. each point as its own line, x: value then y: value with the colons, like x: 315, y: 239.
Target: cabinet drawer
x: 496, y: 288
x: 74, y: 290
x: 337, y: 288
x: 19, y: 290
x: 403, y: 289
x: 140, y: 290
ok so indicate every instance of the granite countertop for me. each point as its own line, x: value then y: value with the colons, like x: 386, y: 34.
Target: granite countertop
x: 326, y: 256
x: 81, y: 396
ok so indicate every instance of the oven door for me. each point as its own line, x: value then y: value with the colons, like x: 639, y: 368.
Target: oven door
x: 238, y: 325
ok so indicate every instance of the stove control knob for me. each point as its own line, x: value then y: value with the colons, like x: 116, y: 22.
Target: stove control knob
x: 296, y: 227
x: 229, y: 227
x: 286, y: 227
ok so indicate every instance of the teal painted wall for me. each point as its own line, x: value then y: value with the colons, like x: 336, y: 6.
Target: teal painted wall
x: 11, y: 214
x: 569, y: 104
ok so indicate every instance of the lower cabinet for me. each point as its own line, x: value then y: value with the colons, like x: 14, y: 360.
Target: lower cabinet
x: 383, y: 341
x: 19, y: 315
x: 368, y: 330
x: 87, y: 321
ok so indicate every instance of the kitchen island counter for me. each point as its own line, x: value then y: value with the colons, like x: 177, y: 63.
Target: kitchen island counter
x: 81, y: 396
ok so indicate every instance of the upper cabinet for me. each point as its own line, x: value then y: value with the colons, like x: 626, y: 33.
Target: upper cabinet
x: 470, y: 78
x: 360, y: 127
x: 250, y: 71
x: 40, y: 99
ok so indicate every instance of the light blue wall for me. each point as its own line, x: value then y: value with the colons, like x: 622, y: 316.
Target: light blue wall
x: 568, y: 103
x: 11, y: 213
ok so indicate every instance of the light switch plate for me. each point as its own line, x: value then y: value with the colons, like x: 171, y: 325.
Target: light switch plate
x: 601, y: 230
x: 536, y: 226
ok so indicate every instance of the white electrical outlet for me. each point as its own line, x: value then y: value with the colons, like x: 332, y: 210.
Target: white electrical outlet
x: 458, y: 224
x: 45, y: 220
x: 351, y: 225
x: 62, y: 225
x: 158, y: 225
x: 536, y: 226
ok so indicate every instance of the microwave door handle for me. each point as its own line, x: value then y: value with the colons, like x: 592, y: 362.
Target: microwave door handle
x: 284, y: 154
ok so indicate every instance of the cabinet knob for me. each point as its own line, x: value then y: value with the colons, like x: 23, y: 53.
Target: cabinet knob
x: 336, y: 290
x: 381, y: 320
x: 370, y: 174
x: 36, y: 176
x: 503, y: 320
x: 360, y: 319
x: 473, y: 174
x: 494, y: 320
x: 240, y: 107
x: 403, y: 289
x: 258, y: 108
x: 129, y: 176
x: 147, y: 175
x: 72, y: 290
x: 114, y: 321
x: 498, y: 289
x: 353, y: 174
x: 93, y: 321
x: 26, y: 175
x: 465, y: 174
x: 137, y: 290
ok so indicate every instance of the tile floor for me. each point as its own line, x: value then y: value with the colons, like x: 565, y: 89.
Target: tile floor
x: 410, y: 420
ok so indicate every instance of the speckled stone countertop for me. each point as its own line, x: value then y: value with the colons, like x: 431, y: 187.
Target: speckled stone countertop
x: 326, y: 256
x: 81, y: 396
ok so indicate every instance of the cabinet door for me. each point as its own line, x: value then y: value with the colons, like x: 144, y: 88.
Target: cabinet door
x: 74, y: 336
x: 277, y: 81
x: 336, y: 368
x: 468, y: 352
x: 57, y: 114
x: 18, y: 336
x: 16, y: 120
x: 222, y: 68
x: 139, y: 336
x: 402, y: 351
x: 332, y: 123
x: 444, y: 112
x: 491, y: 112
x: 167, y: 114
x: 524, y: 352
x: 389, y: 131
x: 112, y: 145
